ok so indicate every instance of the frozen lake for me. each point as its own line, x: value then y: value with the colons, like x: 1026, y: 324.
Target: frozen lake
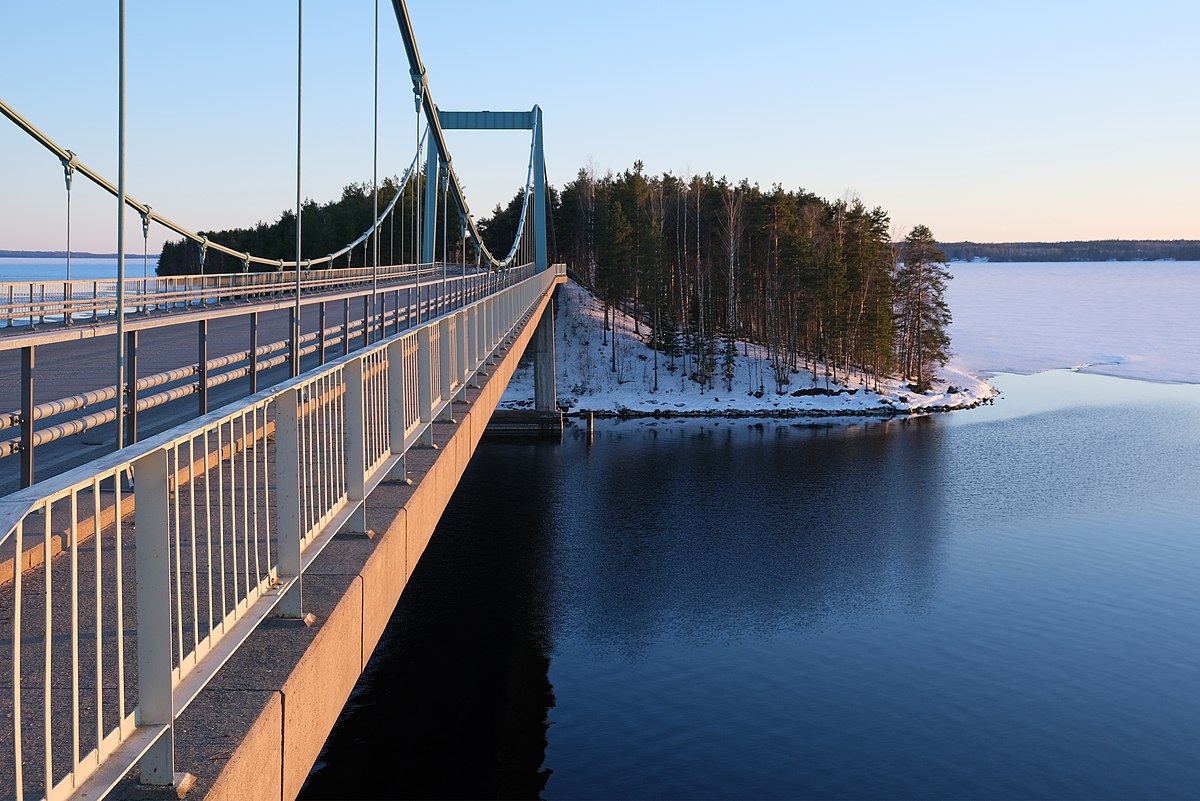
x: 1127, y: 319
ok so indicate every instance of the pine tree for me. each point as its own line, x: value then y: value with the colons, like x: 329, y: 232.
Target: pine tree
x: 729, y: 360
x: 923, y: 314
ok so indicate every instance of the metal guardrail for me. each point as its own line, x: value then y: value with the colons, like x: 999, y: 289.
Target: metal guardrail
x: 229, y: 511
x: 28, y: 303
x: 433, y: 289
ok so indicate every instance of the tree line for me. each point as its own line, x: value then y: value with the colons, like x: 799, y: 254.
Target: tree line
x: 1098, y: 250
x: 327, y: 228
x: 702, y: 263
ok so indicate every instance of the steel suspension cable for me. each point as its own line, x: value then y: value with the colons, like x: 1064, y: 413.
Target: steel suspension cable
x: 294, y: 362
x: 120, y: 421
x: 68, y: 174
x: 375, y: 190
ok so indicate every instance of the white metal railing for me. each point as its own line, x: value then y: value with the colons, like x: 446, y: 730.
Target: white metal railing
x: 431, y: 294
x: 24, y: 303
x: 228, y: 511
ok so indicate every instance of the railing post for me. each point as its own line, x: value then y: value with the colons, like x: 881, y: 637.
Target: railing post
x: 287, y: 499
x: 202, y: 367
x: 425, y: 381
x: 131, y: 392
x: 397, y: 423
x: 461, y: 331
x: 294, y: 342
x: 153, y: 565
x: 345, y: 326
x: 253, y: 352
x: 356, y: 445
x: 473, y: 344
x: 367, y: 320
x: 27, y: 362
x: 321, y: 333
x: 446, y: 346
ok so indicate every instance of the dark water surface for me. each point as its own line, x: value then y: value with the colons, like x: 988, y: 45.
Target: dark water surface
x: 1001, y: 603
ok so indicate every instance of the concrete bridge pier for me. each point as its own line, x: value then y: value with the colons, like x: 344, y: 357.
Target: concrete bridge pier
x: 545, y: 398
x: 544, y: 420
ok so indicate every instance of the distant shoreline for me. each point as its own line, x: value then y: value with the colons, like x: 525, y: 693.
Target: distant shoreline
x: 55, y: 254
x: 1095, y: 251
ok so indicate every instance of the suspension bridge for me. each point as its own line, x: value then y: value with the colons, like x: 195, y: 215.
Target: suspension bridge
x: 215, y: 486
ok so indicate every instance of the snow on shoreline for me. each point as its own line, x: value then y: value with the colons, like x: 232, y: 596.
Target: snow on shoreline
x: 586, y: 382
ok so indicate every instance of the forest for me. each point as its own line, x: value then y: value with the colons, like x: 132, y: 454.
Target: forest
x: 701, y: 264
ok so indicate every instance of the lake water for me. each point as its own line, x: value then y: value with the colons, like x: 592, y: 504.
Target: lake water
x: 999, y: 603
x: 55, y: 269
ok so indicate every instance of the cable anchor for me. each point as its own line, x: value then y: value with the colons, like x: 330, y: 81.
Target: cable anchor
x: 69, y: 164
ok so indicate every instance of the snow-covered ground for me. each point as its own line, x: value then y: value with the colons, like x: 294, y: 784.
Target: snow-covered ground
x: 586, y: 381
x: 1125, y: 319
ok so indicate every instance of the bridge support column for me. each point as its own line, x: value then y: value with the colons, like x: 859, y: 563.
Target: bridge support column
x: 540, y: 259
x: 433, y: 160
x: 544, y: 391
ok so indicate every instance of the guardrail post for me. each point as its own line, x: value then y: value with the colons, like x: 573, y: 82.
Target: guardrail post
x: 396, y: 420
x: 27, y: 362
x: 356, y: 446
x: 287, y: 499
x: 345, y: 326
x: 425, y: 382
x: 153, y: 565
x: 253, y: 352
x: 131, y: 392
x: 473, y: 344
x: 321, y: 333
x: 461, y: 331
x: 294, y: 342
x: 445, y: 345
x: 202, y: 367
x: 367, y: 320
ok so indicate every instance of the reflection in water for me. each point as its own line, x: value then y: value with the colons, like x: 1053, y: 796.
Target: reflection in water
x: 990, y: 606
x: 723, y: 529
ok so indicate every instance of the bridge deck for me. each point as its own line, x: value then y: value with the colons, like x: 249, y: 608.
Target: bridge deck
x: 352, y: 587
x: 80, y: 359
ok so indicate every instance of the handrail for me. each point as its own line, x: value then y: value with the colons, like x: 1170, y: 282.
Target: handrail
x: 60, y: 418
x: 82, y: 301
x: 226, y: 521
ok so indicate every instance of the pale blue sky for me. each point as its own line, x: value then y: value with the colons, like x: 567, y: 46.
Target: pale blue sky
x: 993, y: 122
